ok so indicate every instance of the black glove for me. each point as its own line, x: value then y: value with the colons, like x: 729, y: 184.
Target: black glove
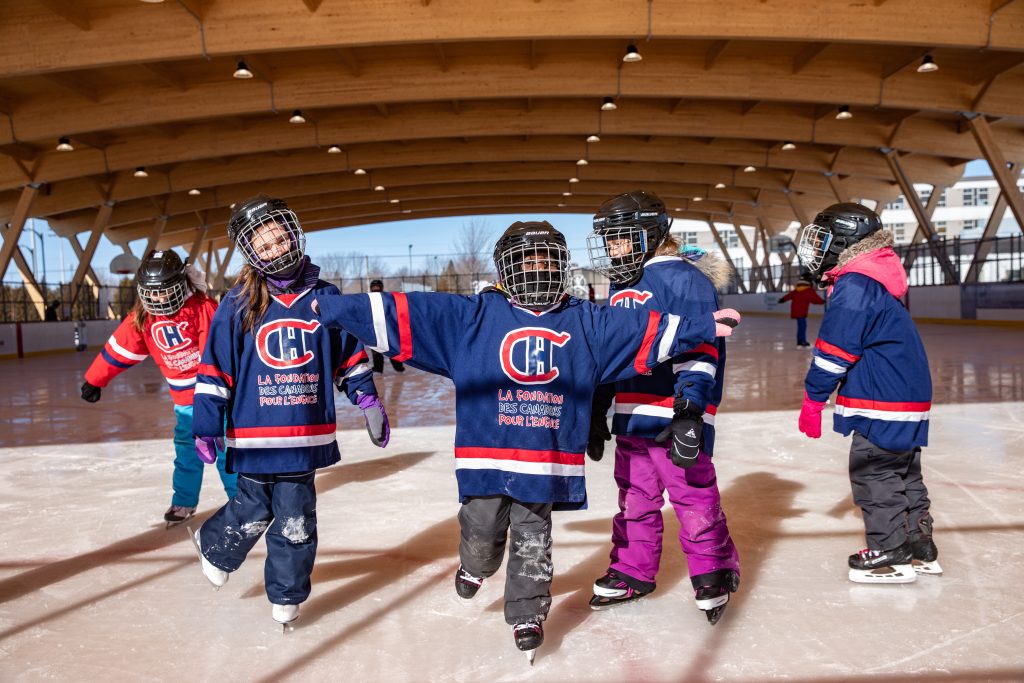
x: 598, y: 435
x: 90, y: 392
x: 686, y: 428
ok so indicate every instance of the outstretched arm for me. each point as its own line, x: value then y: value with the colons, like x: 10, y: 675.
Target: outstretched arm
x: 126, y: 348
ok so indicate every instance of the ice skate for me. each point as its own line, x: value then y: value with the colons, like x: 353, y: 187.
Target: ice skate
x: 285, y: 615
x: 529, y: 635
x: 615, y: 589
x: 176, y: 514
x: 926, y: 556
x: 466, y: 585
x: 712, y: 590
x: 883, y: 566
x: 217, y: 577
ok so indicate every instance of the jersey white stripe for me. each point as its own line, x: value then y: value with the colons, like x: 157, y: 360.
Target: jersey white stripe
x: 281, y: 441
x: 380, y: 323
x: 643, y: 409
x: 696, y: 366
x: 121, y: 351
x: 519, y: 467
x: 668, y: 337
x: 213, y: 390
x: 829, y: 366
x: 180, y: 383
x: 886, y: 415
x: 357, y: 370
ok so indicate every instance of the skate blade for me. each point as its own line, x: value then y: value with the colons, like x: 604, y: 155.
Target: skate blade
x: 599, y: 602
x: 530, y: 655
x: 199, y: 552
x: 714, y: 614
x: 711, y: 603
x: 898, y: 573
x: 927, y: 568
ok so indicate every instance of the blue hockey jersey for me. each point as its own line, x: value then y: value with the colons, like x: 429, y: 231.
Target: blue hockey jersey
x: 524, y: 380
x: 868, y: 346
x: 643, y: 404
x: 274, y: 383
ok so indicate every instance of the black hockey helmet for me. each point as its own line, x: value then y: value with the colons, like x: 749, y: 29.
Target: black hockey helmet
x: 161, y: 283
x: 376, y: 285
x: 268, y: 234
x: 532, y: 261
x: 628, y: 229
x: 834, y: 230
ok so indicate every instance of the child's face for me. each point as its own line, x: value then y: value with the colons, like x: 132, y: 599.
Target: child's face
x: 538, y: 261
x: 270, y: 241
x: 619, y: 247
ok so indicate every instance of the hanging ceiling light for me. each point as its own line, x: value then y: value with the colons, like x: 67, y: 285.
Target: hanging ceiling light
x: 749, y: 169
x: 719, y: 186
x: 194, y: 192
x: 594, y: 138
x: 334, y: 149
x: 64, y: 145
x: 632, y: 54
x: 567, y: 194
x: 378, y: 188
x: 787, y: 146
x: 140, y: 172
x: 582, y: 162
x: 698, y: 199
x: 574, y: 179
x: 844, y: 113
x: 608, y: 104
x: 406, y: 210
x: 360, y: 171
x: 928, y: 65
x: 242, y: 71
x: 393, y: 201
x: 561, y: 205
x: 297, y: 117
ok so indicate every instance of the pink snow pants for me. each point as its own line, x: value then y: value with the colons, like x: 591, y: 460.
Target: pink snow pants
x: 644, y: 472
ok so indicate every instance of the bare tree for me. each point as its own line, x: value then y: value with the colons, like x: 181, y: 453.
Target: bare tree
x: 472, y: 249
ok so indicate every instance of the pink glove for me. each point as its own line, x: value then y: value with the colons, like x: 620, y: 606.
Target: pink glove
x: 725, y: 320
x: 810, y: 417
x: 207, y: 447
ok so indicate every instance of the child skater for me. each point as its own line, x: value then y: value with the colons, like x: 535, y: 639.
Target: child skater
x: 170, y: 321
x: 525, y: 359
x: 268, y: 368
x: 869, y: 348
x: 631, y: 244
x: 800, y: 300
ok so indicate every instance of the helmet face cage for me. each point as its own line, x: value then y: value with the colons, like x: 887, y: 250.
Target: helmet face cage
x: 164, y: 300
x: 815, y: 241
x: 535, y: 274
x: 619, y: 252
x: 272, y: 241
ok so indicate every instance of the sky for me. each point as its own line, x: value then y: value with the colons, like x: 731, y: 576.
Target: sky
x: 389, y: 241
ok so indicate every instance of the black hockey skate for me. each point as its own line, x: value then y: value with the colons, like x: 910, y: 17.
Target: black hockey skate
x: 615, y: 588
x: 926, y: 554
x: 883, y: 566
x: 176, y: 514
x: 529, y: 635
x: 711, y: 591
x: 466, y: 585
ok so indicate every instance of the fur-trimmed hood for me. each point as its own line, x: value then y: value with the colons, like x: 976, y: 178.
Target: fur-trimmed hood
x: 875, y: 258
x: 716, y: 268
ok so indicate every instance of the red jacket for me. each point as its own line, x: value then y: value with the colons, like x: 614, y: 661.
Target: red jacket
x: 175, y: 342
x: 800, y: 300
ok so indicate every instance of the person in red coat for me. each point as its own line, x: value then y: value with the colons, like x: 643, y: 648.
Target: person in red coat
x: 800, y: 299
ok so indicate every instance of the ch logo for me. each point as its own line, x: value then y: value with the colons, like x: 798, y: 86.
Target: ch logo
x: 286, y: 343
x: 527, y: 354
x: 630, y: 298
x: 169, y: 335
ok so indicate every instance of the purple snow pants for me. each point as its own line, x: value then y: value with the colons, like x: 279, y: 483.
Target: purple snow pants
x: 644, y: 472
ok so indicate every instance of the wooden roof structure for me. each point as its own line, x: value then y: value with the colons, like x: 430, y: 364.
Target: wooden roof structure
x: 458, y: 107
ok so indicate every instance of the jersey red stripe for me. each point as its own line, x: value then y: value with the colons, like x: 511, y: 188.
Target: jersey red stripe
x: 404, y: 330
x: 298, y: 430
x: 897, y: 406
x: 211, y: 371
x: 520, y: 454
x: 834, y: 350
x: 645, y: 399
x: 640, y: 364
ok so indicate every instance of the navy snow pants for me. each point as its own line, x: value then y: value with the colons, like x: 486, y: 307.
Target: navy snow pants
x: 283, y: 506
